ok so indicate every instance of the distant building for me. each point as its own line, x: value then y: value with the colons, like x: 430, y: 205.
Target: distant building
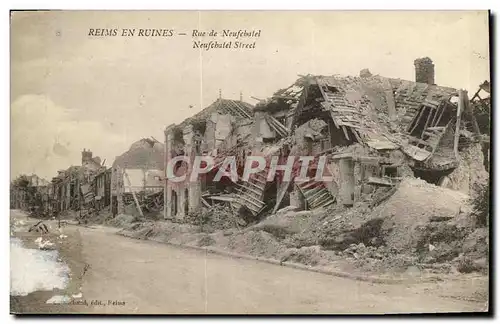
x: 140, y: 169
x: 73, y: 187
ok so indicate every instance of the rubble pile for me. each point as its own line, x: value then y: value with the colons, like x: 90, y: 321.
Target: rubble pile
x: 377, y: 259
x: 206, y: 240
x: 335, y: 228
x: 415, y: 226
x: 417, y: 203
x: 309, y: 255
x: 419, y: 227
x: 470, y: 172
x: 475, y: 244
x: 474, y: 252
x: 286, y: 222
x: 122, y: 220
x: 419, y: 224
x: 215, y: 217
x: 151, y: 204
x: 257, y: 243
x: 102, y: 217
x: 162, y: 231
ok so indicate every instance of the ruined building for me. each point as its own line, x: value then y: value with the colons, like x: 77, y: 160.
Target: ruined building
x: 73, y: 188
x: 223, y: 128
x: 139, y: 170
x: 30, y: 192
x: 373, y: 131
x: 481, y: 104
x: 102, y: 188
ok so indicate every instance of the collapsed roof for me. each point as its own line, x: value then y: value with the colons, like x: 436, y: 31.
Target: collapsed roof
x: 382, y: 113
x: 236, y: 108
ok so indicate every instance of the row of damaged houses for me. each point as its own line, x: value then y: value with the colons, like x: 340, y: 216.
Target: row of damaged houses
x: 91, y: 187
x: 371, y: 130
x: 29, y: 191
x: 74, y: 188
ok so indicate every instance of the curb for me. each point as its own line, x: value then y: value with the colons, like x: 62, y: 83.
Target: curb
x: 293, y: 265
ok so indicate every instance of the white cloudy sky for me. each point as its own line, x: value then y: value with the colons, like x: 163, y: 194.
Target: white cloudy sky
x: 70, y: 91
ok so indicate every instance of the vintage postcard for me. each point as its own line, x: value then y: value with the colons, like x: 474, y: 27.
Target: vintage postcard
x: 249, y: 162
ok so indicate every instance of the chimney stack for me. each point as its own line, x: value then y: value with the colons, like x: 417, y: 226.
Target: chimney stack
x: 86, y: 156
x: 424, y: 70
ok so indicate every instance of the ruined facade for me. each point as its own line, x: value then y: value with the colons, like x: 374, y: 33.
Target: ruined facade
x: 75, y: 188
x: 377, y: 131
x: 220, y: 129
x: 140, y: 169
x: 373, y: 130
x: 102, y: 188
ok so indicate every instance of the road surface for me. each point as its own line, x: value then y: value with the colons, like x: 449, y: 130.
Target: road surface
x: 154, y: 278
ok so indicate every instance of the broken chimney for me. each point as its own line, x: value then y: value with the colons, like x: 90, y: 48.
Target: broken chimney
x: 424, y: 70
x: 86, y: 156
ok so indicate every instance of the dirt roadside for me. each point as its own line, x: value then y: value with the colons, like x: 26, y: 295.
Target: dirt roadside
x: 143, y: 277
x: 156, y: 278
x: 69, y: 248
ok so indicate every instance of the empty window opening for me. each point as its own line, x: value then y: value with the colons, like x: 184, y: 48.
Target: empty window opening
x: 445, y: 115
x: 390, y: 171
x: 430, y: 176
x: 268, y: 140
x: 332, y: 89
x: 174, y: 203
x: 338, y: 137
x: 186, y: 202
x: 285, y: 202
x: 114, y: 205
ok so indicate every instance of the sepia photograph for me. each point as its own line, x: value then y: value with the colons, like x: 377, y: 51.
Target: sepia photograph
x: 202, y: 162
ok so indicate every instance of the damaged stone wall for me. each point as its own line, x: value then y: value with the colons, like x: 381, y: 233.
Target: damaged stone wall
x: 209, y: 136
x: 346, y: 182
x: 223, y: 127
x: 223, y: 131
x: 262, y: 130
x: 308, y: 135
x: 241, y: 131
x: 334, y: 185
